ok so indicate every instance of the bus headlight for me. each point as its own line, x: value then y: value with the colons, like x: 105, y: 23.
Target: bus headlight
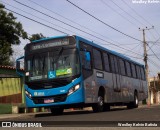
x: 28, y: 94
x: 73, y: 89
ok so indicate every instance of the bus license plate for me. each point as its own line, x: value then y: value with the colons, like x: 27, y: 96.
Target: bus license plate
x: 50, y: 100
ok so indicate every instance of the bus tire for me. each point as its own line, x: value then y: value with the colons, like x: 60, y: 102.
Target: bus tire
x: 133, y: 104
x: 106, y: 107
x: 57, y: 111
x: 99, y: 106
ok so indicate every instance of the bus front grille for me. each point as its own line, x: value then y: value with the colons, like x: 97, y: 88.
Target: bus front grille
x: 55, y: 98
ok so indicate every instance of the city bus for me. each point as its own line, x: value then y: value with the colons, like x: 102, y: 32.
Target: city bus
x: 72, y: 72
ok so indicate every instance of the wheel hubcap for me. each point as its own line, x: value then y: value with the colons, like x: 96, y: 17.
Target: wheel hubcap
x: 100, y: 100
x: 136, y: 100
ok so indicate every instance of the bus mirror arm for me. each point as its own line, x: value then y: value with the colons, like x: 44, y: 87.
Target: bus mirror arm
x: 18, y: 66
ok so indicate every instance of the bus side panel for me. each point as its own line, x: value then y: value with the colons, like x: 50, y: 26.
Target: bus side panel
x: 125, y: 88
x: 109, y: 98
x: 103, y: 79
x: 89, y: 89
x: 143, y: 95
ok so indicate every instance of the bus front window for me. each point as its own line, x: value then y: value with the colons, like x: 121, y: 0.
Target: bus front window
x: 63, y: 66
x: 37, y: 67
x: 52, y: 66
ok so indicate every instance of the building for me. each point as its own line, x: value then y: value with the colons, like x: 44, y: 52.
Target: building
x: 154, y: 84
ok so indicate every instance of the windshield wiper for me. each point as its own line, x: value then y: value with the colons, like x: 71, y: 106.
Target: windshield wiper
x: 59, y: 54
x: 44, y: 59
x: 33, y: 64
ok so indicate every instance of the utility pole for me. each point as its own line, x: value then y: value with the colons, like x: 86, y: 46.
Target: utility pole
x: 146, y: 63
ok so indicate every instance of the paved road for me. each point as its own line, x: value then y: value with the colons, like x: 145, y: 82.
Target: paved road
x: 87, y: 118
x: 115, y: 114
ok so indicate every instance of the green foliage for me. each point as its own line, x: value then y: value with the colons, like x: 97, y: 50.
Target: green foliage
x: 36, y: 37
x: 10, y: 33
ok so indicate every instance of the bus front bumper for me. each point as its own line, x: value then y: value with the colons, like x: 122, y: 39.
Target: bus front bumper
x: 57, y: 100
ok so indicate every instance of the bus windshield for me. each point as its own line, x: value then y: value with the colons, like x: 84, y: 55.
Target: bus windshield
x: 51, y: 65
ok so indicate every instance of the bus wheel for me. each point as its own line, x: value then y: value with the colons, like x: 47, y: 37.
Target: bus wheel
x: 136, y: 101
x: 133, y: 104
x: 106, y: 107
x: 98, y: 107
x: 57, y: 111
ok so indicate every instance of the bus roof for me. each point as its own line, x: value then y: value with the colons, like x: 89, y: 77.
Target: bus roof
x: 93, y: 44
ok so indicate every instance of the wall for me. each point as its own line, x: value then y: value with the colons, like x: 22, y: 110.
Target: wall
x: 10, y: 90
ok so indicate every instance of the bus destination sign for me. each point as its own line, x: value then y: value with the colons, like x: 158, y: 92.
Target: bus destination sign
x: 50, y: 43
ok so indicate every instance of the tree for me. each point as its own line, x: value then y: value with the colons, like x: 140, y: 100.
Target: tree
x: 36, y: 37
x: 10, y: 33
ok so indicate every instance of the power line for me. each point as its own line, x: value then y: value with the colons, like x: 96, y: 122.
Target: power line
x: 152, y: 34
x: 82, y: 25
x: 139, y: 15
x: 36, y: 21
x: 47, y: 21
x: 69, y: 20
x: 63, y: 22
x: 103, y: 22
x: 133, y: 56
x: 153, y: 52
x: 53, y: 28
x: 54, y: 24
x: 157, y: 66
x: 132, y: 48
x: 126, y: 12
x: 119, y: 46
x: 73, y: 21
x: 154, y: 43
x: 73, y: 26
x: 43, y: 20
x: 105, y: 3
x: 136, y: 12
x: 36, y: 16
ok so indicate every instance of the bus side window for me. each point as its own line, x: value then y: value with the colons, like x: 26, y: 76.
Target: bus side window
x: 97, y: 59
x: 138, y: 72
x: 116, y: 64
x: 133, y: 71
x: 106, y: 62
x: 122, y: 67
x: 112, y: 63
x: 128, y: 69
x: 142, y: 73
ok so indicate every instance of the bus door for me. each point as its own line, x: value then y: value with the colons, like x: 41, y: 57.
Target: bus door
x: 115, y: 73
x: 87, y: 72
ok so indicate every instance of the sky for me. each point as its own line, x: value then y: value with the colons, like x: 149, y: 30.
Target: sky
x: 125, y: 16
